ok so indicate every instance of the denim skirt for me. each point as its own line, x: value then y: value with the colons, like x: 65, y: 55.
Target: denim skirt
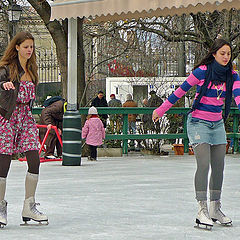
x: 202, y: 131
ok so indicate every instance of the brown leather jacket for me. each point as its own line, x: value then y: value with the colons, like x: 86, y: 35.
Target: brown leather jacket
x: 131, y: 103
x: 8, y: 97
x: 53, y: 114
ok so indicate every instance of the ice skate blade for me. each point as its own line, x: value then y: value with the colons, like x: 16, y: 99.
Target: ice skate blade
x: 227, y: 224
x: 2, y: 225
x: 224, y: 224
x: 38, y: 224
x: 203, y: 226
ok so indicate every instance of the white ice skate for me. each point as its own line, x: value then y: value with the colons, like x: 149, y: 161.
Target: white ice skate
x: 203, y: 220
x: 3, y: 214
x: 217, y: 215
x: 30, y: 212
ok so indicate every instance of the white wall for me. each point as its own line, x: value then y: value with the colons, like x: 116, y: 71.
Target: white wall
x: 121, y: 86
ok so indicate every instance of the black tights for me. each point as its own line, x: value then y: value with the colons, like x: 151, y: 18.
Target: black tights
x: 33, y: 162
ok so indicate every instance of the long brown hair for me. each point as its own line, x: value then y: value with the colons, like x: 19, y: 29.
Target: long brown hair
x: 217, y: 44
x: 10, y: 58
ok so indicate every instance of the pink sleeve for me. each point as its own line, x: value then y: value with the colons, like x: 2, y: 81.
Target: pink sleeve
x: 163, y: 108
x: 85, y: 130
x: 236, y: 88
x: 191, y: 81
x: 103, y: 132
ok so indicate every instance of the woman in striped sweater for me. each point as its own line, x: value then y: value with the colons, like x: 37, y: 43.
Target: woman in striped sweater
x: 216, y: 81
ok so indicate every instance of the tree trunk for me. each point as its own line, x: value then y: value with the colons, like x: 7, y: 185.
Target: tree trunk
x: 58, y: 32
x: 181, y: 60
x: 182, y: 52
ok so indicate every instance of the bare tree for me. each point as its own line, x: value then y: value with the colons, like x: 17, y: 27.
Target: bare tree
x: 201, y: 28
x: 58, y: 31
x: 3, y: 26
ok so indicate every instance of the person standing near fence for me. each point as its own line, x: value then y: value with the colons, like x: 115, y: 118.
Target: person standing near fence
x: 115, y: 119
x: 146, y: 119
x: 100, y: 101
x: 154, y: 100
x: 131, y: 117
x: 216, y: 81
x: 18, y: 130
x: 94, y: 132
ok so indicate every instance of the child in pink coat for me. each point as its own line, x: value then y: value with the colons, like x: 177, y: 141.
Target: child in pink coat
x: 94, y: 132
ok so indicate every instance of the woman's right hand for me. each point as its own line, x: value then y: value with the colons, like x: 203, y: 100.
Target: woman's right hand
x: 8, y: 86
x: 49, y: 126
x: 59, y: 131
x: 155, y: 116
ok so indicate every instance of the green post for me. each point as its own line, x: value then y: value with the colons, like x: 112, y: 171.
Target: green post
x: 72, y: 132
x: 125, y: 132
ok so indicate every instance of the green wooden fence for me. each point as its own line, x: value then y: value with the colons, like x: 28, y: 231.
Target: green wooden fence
x: 183, y: 111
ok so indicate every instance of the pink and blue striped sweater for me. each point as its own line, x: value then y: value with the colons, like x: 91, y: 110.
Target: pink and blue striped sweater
x: 209, y: 108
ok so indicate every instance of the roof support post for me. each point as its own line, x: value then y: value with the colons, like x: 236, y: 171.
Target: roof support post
x: 72, y: 65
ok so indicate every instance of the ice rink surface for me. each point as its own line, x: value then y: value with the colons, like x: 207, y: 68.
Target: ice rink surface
x: 128, y: 198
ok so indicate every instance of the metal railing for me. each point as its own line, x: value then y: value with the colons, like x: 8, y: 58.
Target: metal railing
x: 125, y: 136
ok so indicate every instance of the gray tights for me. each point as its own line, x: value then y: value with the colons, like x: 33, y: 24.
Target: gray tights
x: 207, y: 154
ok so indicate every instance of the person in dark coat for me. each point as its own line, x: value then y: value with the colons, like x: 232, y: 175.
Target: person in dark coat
x: 154, y: 100
x: 146, y: 118
x: 100, y: 101
x: 52, y: 115
x: 115, y: 119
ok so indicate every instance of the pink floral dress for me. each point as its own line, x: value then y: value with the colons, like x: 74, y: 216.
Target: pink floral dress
x: 20, y: 133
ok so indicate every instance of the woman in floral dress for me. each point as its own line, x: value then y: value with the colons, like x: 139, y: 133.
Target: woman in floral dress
x: 18, y: 130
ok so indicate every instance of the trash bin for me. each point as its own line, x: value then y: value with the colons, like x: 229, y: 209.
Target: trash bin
x: 72, y: 135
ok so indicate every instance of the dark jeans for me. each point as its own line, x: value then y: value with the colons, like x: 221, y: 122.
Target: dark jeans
x: 93, y: 151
